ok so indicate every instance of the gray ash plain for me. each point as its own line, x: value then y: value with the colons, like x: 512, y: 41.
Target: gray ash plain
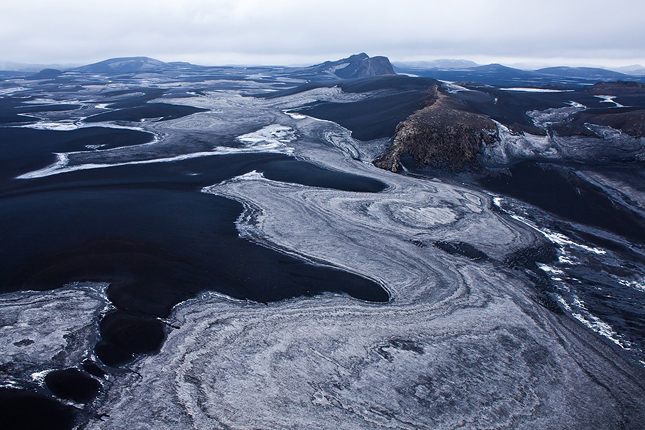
x: 193, y: 247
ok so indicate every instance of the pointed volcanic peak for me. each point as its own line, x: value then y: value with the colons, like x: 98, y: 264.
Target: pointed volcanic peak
x: 127, y: 65
x: 356, y: 66
x: 591, y: 73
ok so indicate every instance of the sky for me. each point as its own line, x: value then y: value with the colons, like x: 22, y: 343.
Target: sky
x: 301, y: 32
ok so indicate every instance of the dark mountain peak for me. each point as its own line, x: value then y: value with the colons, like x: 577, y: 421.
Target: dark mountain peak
x: 356, y: 66
x: 127, y: 65
x: 358, y: 57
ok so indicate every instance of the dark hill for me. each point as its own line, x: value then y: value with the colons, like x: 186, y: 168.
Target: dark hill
x: 127, y: 65
x: 46, y: 74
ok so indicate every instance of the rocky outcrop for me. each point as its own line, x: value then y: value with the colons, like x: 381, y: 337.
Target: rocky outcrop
x: 440, y: 135
x: 362, y: 66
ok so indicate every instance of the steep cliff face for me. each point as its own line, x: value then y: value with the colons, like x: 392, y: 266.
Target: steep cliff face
x: 362, y: 66
x: 440, y: 135
x: 353, y: 67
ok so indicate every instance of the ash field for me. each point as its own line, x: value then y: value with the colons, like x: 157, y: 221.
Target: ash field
x: 336, y: 246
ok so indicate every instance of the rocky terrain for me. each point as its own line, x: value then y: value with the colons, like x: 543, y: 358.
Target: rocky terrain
x: 440, y: 135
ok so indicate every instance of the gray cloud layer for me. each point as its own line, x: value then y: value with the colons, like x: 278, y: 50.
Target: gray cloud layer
x: 290, y: 31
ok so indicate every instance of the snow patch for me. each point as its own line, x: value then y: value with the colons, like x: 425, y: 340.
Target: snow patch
x: 273, y: 135
x: 610, y: 99
x: 536, y: 90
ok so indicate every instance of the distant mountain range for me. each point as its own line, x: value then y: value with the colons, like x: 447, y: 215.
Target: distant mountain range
x: 356, y: 66
x: 634, y: 69
x: 582, y: 72
x: 361, y: 66
x: 497, y: 74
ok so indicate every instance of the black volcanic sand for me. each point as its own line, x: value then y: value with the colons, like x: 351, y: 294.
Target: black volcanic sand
x: 23, y: 150
x: 9, y: 110
x: 151, y: 233
x: 624, y: 312
x: 372, y: 118
x: 14, y: 105
x: 8, y: 105
x: 47, y: 108
x: 24, y: 410
x: 72, y: 384
x: 194, y: 174
x: 124, y: 335
x: 560, y: 191
x: 286, y: 170
x: 163, y: 111
x: 93, y: 369
x: 16, y: 119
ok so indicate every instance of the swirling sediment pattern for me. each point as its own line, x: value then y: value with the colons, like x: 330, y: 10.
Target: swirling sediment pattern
x: 461, y: 344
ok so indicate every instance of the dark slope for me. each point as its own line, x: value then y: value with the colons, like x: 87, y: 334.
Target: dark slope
x: 390, y: 83
x: 160, y: 111
x: 561, y: 191
x: 372, y: 118
x: 25, y: 149
x: 395, y: 98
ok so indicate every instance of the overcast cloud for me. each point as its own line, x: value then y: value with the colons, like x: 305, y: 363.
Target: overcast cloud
x: 215, y: 32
